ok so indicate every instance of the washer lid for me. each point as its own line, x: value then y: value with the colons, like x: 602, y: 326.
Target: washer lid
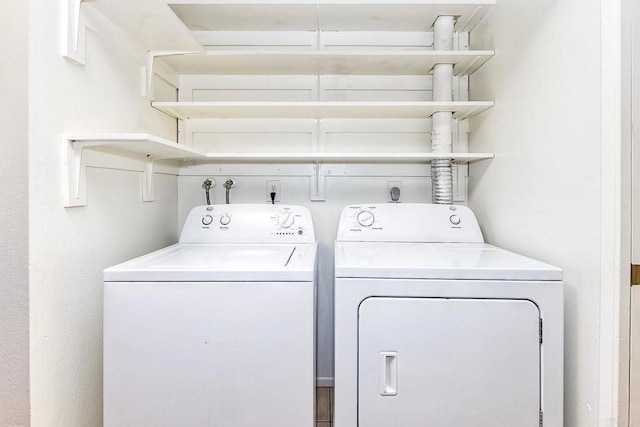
x: 466, y: 261
x: 211, y: 262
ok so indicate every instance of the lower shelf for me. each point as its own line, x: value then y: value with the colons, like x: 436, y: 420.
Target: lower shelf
x: 156, y: 148
x: 151, y: 148
x: 145, y: 144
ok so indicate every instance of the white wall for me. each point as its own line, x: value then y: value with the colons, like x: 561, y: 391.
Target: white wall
x: 541, y: 194
x: 14, y: 273
x: 69, y: 247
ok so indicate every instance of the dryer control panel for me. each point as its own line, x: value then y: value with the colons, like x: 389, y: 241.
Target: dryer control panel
x: 246, y: 223
x: 408, y: 222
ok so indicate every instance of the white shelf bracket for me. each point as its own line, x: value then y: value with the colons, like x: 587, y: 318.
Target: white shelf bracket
x: 73, y: 31
x: 460, y: 137
x: 76, y: 187
x: 318, y: 182
x: 150, y: 68
x: 148, y: 181
x: 76, y: 170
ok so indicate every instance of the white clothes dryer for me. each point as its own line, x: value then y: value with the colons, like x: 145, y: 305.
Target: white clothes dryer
x: 218, y: 329
x: 435, y: 328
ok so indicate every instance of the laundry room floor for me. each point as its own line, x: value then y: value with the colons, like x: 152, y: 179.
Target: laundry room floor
x: 324, y: 407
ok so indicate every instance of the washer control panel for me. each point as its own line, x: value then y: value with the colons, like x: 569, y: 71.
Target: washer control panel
x: 243, y: 223
x: 408, y: 222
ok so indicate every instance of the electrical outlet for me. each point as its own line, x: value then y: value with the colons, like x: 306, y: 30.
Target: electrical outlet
x: 390, y: 185
x: 273, y: 186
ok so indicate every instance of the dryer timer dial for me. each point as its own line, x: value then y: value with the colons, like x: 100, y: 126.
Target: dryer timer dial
x: 366, y: 218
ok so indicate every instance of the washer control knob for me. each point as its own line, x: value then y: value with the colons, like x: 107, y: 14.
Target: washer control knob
x: 366, y: 218
x: 225, y: 219
x: 454, y: 219
x: 207, y: 220
x: 286, y: 219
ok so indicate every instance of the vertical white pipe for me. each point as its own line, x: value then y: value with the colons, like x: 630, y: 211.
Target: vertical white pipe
x: 443, y: 82
x: 443, y: 33
x: 441, y: 170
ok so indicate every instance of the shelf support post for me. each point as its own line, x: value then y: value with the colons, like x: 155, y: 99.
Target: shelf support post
x: 148, y: 181
x: 318, y: 145
x: 317, y: 182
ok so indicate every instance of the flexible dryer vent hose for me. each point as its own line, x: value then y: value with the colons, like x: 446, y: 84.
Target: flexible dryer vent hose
x: 441, y: 182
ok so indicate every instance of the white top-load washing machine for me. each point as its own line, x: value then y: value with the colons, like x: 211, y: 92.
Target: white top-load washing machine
x: 435, y: 328
x: 218, y: 329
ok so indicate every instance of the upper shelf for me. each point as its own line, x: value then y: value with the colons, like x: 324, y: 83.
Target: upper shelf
x: 319, y: 110
x: 149, y: 22
x: 326, y: 15
x: 344, y: 62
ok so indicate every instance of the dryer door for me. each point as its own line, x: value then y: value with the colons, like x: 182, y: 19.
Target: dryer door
x: 448, y: 363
